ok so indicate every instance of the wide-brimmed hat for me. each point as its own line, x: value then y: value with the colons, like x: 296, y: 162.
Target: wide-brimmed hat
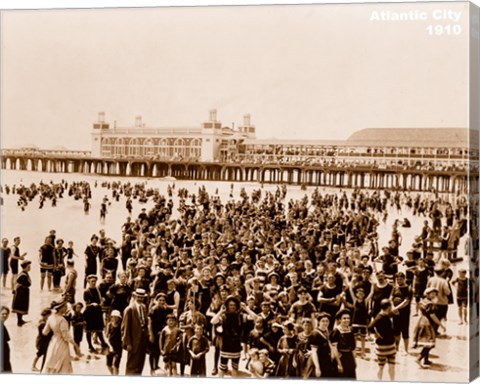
x: 56, y: 305
x: 272, y: 274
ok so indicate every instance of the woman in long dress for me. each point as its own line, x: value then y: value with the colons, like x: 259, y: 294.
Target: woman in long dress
x: 21, y: 298
x: 424, y: 334
x: 58, y: 354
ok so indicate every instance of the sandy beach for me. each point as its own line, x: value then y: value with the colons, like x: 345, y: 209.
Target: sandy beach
x: 71, y: 224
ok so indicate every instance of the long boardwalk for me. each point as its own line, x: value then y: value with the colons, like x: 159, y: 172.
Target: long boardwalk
x: 338, y: 175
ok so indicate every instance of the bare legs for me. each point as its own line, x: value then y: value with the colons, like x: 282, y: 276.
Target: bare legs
x: 49, y: 280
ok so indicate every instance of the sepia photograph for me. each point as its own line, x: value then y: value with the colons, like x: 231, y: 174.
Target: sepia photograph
x: 240, y: 190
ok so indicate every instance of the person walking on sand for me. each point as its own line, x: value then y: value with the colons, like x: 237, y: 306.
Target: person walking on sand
x: 58, y: 358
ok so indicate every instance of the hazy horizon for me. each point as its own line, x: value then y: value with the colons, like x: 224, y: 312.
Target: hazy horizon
x: 317, y: 72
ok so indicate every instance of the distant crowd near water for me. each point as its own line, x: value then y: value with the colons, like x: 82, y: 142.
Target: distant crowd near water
x: 261, y: 283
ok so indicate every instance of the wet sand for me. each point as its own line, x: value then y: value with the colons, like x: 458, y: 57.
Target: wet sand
x: 70, y: 222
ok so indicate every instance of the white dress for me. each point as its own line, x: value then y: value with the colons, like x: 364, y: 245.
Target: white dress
x: 58, y: 354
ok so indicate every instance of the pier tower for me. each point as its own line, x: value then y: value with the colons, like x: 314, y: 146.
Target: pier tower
x: 98, y: 128
x: 211, y: 137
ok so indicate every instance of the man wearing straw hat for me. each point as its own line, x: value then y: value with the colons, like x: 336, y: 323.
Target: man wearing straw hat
x: 135, y: 333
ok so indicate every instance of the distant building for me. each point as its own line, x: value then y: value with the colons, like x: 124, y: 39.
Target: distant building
x: 420, y: 148
x: 380, y: 148
x: 210, y: 142
x: 416, y: 159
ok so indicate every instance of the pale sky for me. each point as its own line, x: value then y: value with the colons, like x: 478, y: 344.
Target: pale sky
x: 302, y: 72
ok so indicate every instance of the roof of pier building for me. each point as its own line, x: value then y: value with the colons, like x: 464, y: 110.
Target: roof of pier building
x: 414, y: 137
x: 390, y: 137
x: 274, y: 141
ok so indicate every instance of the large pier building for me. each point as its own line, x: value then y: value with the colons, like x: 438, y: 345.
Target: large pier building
x: 423, y: 159
x: 209, y: 142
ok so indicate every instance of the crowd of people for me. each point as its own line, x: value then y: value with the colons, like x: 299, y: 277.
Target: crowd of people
x: 289, y: 288
x: 347, y: 161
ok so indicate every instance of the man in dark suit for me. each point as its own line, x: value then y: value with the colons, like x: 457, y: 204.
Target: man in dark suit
x: 135, y: 333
